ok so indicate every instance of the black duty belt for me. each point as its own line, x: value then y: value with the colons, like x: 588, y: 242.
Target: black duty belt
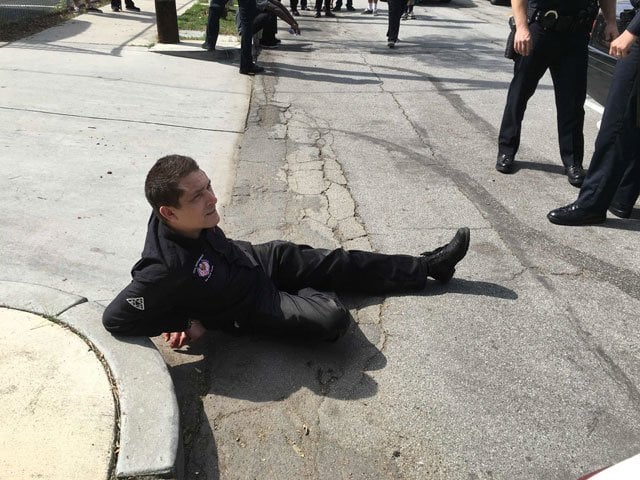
x: 551, y: 20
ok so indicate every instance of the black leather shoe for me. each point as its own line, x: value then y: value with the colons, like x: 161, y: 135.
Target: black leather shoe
x: 337, y: 9
x: 504, y: 163
x: 295, y: 13
x: 132, y: 8
x: 620, y: 211
x: 329, y: 14
x: 442, y: 261
x: 317, y: 15
x: 350, y: 9
x: 575, y: 175
x: 252, y: 70
x: 575, y: 215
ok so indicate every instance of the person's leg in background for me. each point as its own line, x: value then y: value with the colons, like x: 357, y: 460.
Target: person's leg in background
x: 247, y: 11
x: 216, y: 11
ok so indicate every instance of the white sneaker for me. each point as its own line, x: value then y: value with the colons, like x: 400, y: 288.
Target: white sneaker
x: 391, y: 44
x: 405, y: 16
x: 375, y: 12
x: 412, y: 16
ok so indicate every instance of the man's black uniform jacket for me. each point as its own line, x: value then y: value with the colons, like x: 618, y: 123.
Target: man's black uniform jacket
x: 211, y: 279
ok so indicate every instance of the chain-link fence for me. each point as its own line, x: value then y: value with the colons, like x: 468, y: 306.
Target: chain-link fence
x: 21, y: 10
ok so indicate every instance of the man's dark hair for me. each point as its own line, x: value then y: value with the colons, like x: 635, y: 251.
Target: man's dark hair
x: 162, y: 184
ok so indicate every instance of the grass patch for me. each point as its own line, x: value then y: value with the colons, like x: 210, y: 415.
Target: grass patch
x: 196, y: 19
x: 193, y: 19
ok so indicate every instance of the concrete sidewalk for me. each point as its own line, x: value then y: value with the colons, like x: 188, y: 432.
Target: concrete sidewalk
x: 87, y: 107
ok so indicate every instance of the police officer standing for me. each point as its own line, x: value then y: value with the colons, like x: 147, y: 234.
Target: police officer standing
x: 613, y: 180
x: 554, y: 35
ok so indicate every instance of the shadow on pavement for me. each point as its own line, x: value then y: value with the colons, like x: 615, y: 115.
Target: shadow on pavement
x: 262, y: 369
x: 631, y: 225
x: 470, y: 287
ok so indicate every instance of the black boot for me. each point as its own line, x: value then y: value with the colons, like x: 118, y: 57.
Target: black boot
x: 442, y: 261
x: 575, y: 175
x: 575, y: 215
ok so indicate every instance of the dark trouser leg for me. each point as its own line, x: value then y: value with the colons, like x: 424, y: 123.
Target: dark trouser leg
x: 293, y: 4
x: 247, y: 12
x: 629, y: 189
x: 308, y: 313
x: 293, y: 267
x: 327, y: 5
x: 269, y: 30
x: 298, y: 270
x: 303, y: 4
x: 338, y: 4
x: 259, y: 23
x: 527, y: 72
x: 396, y: 8
x: 569, y: 75
x: 609, y: 161
x: 216, y: 10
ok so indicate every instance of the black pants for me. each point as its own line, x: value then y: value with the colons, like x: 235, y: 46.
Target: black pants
x: 396, y: 9
x: 294, y: 4
x: 268, y: 23
x: 338, y: 4
x: 614, y: 172
x: 565, y: 55
x: 327, y: 5
x: 247, y: 11
x: 302, y: 277
x: 216, y: 11
x: 118, y: 3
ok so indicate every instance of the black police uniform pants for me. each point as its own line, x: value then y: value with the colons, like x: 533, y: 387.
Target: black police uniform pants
x: 304, y: 278
x: 614, y: 172
x: 565, y: 54
x: 396, y: 9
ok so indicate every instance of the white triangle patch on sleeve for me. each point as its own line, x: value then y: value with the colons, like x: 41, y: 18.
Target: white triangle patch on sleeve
x: 136, y: 302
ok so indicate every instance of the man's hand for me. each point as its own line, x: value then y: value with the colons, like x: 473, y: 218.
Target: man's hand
x: 188, y: 337
x: 522, y: 42
x: 611, y: 31
x: 620, y: 47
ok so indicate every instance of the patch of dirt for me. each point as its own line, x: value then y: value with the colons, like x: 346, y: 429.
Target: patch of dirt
x: 10, y: 32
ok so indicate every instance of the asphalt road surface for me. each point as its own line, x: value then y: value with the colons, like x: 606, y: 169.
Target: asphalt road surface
x: 524, y: 367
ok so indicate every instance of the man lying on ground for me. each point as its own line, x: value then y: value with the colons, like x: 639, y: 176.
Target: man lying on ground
x: 192, y: 278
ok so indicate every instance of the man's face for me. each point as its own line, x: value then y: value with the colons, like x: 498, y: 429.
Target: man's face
x: 197, y: 208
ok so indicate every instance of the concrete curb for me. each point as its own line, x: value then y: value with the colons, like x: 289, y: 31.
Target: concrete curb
x: 149, y: 443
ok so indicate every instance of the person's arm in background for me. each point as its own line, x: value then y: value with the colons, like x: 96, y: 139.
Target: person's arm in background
x: 608, y: 8
x: 275, y: 7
